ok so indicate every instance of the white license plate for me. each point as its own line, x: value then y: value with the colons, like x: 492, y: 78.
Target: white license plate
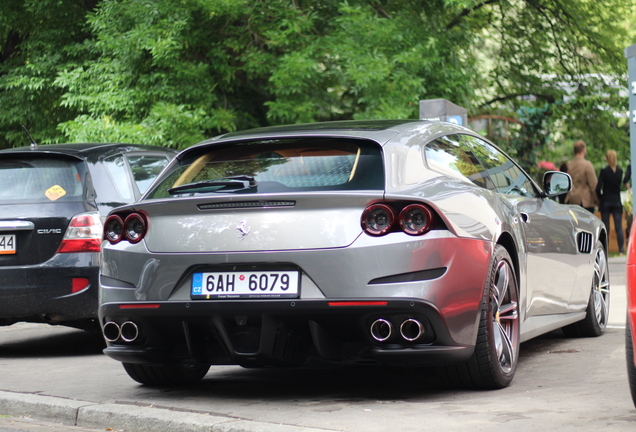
x: 7, y: 244
x: 245, y: 284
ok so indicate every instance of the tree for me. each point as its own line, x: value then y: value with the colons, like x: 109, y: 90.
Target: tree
x: 173, y: 73
x: 558, y: 66
x: 37, y: 40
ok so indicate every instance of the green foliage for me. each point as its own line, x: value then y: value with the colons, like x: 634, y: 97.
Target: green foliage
x: 532, y: 137
x: 36, y: 41
x: 558, y: 66
x: 172, y: 73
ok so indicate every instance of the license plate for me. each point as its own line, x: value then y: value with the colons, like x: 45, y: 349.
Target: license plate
x: 7, y: 244
x: 245, y: 284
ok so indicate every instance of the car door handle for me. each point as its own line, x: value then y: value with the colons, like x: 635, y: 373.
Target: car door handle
x: 525, y: 217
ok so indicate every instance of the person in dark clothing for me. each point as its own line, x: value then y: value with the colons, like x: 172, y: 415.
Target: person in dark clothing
x: 608, y: 190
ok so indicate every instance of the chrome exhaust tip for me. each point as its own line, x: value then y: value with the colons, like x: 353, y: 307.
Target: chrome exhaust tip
x: 411, y: 329
x: 381, y: 330
x: 129, y: 331
x: 111, y: 331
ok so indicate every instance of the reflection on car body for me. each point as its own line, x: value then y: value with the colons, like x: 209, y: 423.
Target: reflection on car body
x: 390, y: 242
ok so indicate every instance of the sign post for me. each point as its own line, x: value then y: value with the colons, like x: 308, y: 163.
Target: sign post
x: 443, y: 110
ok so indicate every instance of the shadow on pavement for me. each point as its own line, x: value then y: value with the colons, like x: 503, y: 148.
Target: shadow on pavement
x: 65, y: 344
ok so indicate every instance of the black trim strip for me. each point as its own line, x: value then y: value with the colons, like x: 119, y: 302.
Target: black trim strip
x: 246, y: 204
x: 421, y: 275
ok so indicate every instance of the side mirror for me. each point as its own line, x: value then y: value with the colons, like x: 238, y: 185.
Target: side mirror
x: 556, y: 183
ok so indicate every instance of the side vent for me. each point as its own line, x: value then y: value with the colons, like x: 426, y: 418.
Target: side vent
x: 584, y: 242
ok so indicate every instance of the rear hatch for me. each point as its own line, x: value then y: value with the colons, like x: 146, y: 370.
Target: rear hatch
x: 279, y: 222
x: 40, y: 194
x: 264, y: 195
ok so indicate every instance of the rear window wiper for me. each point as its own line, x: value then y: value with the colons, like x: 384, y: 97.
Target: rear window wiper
x: 226, y: 183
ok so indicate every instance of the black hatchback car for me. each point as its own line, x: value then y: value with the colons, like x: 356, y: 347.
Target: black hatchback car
x: 53, y: 200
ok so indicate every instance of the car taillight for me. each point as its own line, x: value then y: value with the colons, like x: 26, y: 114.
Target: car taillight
x: 414, y: 218
x: 113, y: 229
x: 377, y: 219
x: 132, y: 228
x: 84, y: 234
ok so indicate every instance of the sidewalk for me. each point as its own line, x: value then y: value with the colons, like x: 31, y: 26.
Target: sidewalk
x: 117, y: 417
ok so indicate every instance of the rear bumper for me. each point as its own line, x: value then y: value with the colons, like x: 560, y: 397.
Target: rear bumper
x: 64, y: 288
x: 281, y: 332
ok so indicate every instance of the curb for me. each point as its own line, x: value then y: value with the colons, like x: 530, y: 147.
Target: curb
x: 130, y: 418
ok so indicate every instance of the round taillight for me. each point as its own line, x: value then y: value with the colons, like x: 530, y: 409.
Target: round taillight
x: 134, y: 227
x: 113, y: 229
x: 377, y: 219
x: 415, y: 219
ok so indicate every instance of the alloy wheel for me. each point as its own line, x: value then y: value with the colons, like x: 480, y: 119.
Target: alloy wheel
x: 601, y: 288
x: 504, y: 302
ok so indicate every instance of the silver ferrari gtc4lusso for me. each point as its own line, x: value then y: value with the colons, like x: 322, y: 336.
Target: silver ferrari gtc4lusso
x: 392, y: 242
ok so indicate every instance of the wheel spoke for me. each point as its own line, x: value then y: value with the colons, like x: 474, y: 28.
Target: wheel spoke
x: 600, y: 268
x: 505, y: 352
x: 600, y: 307
x: 504, y: 316
x: 508, y: 311
x: 501, y: 283
x: 601, y: 288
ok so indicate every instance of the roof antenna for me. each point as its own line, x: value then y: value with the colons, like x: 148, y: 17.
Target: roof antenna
x: 34, y: 145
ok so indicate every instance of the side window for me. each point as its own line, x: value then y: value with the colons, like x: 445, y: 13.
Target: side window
x: 116, y: 167
x: 451, y: 153
x: 145, y: 168
x: 505, y: 174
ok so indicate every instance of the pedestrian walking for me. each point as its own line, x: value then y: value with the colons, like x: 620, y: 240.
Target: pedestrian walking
x: 608, y: 190
x: 584, y: 180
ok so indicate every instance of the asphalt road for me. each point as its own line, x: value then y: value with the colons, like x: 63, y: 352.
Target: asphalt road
x: 59, y: 377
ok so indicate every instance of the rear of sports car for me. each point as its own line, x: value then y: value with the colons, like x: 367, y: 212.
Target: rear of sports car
x: 278, y: 250
x: 50, y: 238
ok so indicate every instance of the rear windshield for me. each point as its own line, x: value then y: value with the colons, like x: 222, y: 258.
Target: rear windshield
x: 276, y: 166
x: 28, y: 180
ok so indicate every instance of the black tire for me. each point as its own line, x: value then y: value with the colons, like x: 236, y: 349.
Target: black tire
x: 494, y: 361
x: 597, y: 312
x: 166, y: 374
x: 631, y: 368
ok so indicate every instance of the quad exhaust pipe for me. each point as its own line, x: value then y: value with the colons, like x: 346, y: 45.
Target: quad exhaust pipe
x: 410, y: 330
x: 111, y: 331
x: 126, y: 332
x: 381, y: 329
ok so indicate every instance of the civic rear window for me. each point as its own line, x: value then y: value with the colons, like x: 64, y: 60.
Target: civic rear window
x: 276, y: 166
x: 28, y: 180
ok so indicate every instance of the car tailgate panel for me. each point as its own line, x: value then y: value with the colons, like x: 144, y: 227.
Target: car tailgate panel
x: 281, y: 222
